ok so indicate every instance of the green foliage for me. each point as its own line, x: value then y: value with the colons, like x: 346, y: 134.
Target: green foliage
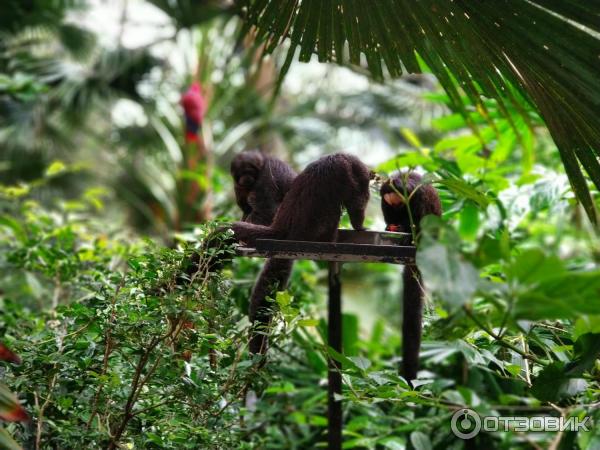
x: 119, y: 348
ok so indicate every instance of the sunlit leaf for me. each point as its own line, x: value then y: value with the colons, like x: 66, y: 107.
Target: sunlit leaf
x: 7, y: 442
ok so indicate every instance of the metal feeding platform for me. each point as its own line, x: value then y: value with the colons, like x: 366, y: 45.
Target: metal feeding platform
x: 350, y: 246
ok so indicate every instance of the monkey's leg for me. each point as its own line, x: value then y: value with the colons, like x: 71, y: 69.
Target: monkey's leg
x: 273, y: 277
x: 264, y: 205
x: 412, y: 321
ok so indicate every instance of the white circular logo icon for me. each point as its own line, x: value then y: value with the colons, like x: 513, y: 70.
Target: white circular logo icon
x: 465, y: 424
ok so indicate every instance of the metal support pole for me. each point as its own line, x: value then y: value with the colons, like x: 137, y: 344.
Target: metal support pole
x: 334, y: 329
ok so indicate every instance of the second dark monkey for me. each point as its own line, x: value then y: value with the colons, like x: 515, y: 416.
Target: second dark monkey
x: 423, y: 200
x: 260, y: 183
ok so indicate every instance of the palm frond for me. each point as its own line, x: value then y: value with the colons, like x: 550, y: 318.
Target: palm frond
x: 544, y: 50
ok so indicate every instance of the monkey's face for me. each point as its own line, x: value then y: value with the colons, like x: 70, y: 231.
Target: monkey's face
x: 392, y: 195
x: 396, y: 190
x: 247, y: 179
x: 395, y: 194
x: 246, y: 168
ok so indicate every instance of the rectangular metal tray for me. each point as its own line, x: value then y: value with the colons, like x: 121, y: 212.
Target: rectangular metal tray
x: 351, y: 246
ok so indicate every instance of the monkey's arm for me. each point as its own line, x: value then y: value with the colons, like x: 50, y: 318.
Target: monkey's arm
x: 241, y: 198
x: 263, y: 206
x: 356, y: 212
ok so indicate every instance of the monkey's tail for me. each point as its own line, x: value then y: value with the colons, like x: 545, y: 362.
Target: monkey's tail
x: 273, y: 277
x: 412, y: 321
x: 249, y: 232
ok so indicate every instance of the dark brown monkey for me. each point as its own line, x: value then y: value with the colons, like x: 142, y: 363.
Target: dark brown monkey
x: 423, y: 199
x: 260, y: 183
x: 310, y: 211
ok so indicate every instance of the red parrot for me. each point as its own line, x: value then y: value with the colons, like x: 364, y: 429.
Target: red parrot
x: 194, y: 107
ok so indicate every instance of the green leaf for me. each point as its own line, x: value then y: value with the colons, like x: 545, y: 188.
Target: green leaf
x: 566, y: 295
x: 465, y: 190
x: 345, y: 361
x: 393, y: 443
x: 586, y: 324
x: 420, y: 441
x: 552, y: 384
x: 55, y: 168
x: 469, y: 221
x: 350, y: 335
x: 360, y: 362
x: 447, y: 274
x: 408, y: 159
x: 308, y: 322
x: 282, y: 388
x: 533, y: 266
x: 411, y: 138
x: 586, y: 352
x: 283, y: 299
x: 7, y: 442
x: 15, y: 226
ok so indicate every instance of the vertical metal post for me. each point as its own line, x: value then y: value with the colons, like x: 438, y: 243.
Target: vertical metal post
x: 334, y: 328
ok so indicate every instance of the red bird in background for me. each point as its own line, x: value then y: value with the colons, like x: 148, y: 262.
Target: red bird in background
x: 194, y: 107
x: 197, y: 158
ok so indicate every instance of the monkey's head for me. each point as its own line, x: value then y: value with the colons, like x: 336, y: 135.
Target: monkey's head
x: 395, y: 193
x: 400, y: 186
x: 246, y: 167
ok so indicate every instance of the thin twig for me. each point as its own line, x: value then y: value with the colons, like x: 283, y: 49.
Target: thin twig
x: 108, y: 348
x: 501, y: 341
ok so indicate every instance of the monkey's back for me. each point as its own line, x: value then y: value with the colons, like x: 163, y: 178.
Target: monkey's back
x: 275, y: 180
x: 278, y: 176
x: 312, y: 208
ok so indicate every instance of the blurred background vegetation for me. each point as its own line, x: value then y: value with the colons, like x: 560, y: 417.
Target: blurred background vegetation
x: 95, y: 219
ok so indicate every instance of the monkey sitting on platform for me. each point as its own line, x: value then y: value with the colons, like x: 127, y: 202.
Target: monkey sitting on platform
x: 403, y: 191
x: 260, y: 183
